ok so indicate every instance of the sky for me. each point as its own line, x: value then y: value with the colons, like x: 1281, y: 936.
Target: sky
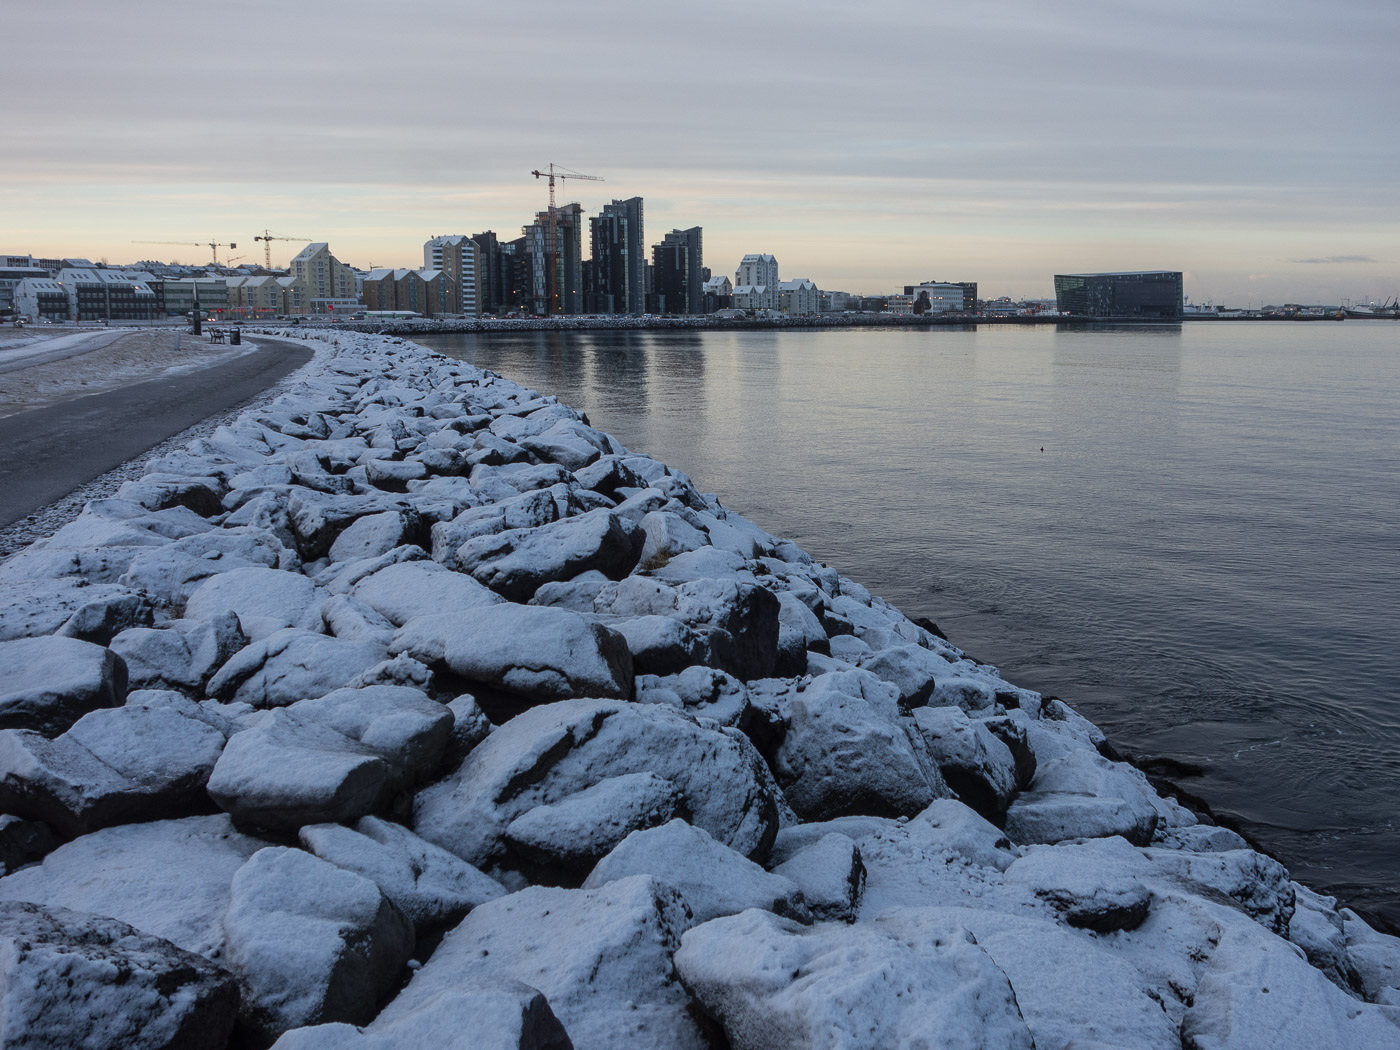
x: 1252, y: 145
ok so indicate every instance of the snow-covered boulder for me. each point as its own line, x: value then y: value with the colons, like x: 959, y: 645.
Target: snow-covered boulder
x: 830, y: 874
x: 181, y: 654
x: 973, y: 761
x: 168, y: 878
x: 493, y: 1013
x: 573, y: 834
x: 113, y: 766
x: 517, y: 562
x: 22, y: 842
x: 47, y: 684
x: 74, y: 980
x: 406, y: 590
x: 549, y: 753
x: 290, y: 665
x: 912, y: 669
x: 1095, y: 885
x: 540, y: 654
x: 430, y: 886
x: 774, y: 984
x: 601, y: 957
x: 265, y: 600
x: 849, y: 750
x: 310, y: 942
x: 713, y: 879
x: 376, y: 534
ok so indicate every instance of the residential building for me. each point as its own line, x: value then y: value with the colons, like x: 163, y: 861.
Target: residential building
x: 946, y: 295
x: 718, y: 294
x: 13, y: 269
x: 555, y: 247
x: 493, y: 297
x: 839, y: 302
x: 618, y: 284
x: 676, y: 272
x: 377, y: 289
x: 1153, y: 293
x: 111, y: 295
x: 459, y: 258
x: 427, y: 292
x: 252, y: 298
x: 799, y: 298
x: 756, y: 283
x: 320, y: 281
x: 40, y: 298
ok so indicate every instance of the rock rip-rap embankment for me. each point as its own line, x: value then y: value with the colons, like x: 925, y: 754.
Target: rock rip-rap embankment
x: 411, y: 710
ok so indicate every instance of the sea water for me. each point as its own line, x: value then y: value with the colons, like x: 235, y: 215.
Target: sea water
x: 1190, y: 532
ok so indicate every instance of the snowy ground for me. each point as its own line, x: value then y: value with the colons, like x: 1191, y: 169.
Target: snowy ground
x: 409, y: 709
x: 43, y: 370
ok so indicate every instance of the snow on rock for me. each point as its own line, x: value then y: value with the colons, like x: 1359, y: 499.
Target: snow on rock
x: 84, y: 982
x: 181, y: 654
x: 47, y: 684
x: 22, y: 842
x: 973, y: 762
x: 113, y: 766
x: 310, y: 942
x: 430, y: 886
x: 576, y: 832
x: 849, y: 750
x: 493, y: 1013
x: 540, y: 654
x: 602, y: 958
x: 407, y: 590
x: 551, y: 752
x: 515, y: 563
x: 168, y: 878
x: 290, y: 665
x: 713, y: 879
x: 265, y: 600
x: 774, y: 984
x: 830, y: 875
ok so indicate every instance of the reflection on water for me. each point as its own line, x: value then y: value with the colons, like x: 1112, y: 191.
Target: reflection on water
x: 1203, y: 558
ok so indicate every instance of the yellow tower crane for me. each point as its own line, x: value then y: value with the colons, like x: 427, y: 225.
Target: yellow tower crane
x: 213, y: 246
x: 268, y: 236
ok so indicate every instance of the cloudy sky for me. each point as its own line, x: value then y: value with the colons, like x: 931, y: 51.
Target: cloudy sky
x: 1251, y: 144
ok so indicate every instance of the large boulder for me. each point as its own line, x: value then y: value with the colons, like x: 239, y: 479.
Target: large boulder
x: 182, y: 654
x: 830, y: 874
x: 310, y: 942
x: 516, y: 562
x: 549, y: 753
x: 601, y: 957
x: 291, y: 665
x: 848, y: 750
x: 713, y: 879
x: 410, y: 589
x: 47, y: 684
x: 265, y: 600
x: 541, y: 654
x: 168, y: 878
x: 430, y: 886
x: 493, y: 1013
x: 973, y: 761
x: 114, y: 765
x: 84, y: 982
x: 775, y: 984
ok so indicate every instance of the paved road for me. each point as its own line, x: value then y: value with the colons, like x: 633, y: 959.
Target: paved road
x: 48, y: 452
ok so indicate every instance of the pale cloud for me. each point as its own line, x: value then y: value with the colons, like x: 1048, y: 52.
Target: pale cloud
x: 1339, y: 259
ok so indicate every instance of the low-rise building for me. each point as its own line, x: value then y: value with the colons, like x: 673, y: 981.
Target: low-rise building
x: 254, y: 298
x: 111, y: 295
x: 41, y: 298
x: 183, y: 296
x: 799, y: 298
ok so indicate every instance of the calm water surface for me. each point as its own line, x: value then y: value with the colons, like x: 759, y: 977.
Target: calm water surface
x: 1204, y: 558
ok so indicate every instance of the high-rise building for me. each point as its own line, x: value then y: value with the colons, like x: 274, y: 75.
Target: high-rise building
x: 618, y: 283
x: 555, y: 247
x: 459, y: 257
x: 677, y: 263
x: 493, y: 298
x: 756, y: 283
x: 1154, y: 293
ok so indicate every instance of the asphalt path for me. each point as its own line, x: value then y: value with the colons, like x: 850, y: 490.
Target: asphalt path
x: 46, y: 453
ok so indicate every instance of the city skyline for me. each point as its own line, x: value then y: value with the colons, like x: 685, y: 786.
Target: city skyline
x: 866, y: 149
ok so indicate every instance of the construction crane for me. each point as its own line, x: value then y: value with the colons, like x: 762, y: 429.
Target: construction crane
x: 268, y: 236
x: 214, y: 246
x: 552, y: 245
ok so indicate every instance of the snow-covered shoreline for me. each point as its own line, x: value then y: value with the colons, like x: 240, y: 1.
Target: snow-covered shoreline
x: 409, y: 701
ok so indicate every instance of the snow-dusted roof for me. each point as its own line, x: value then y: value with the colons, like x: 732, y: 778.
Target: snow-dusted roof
x: 379, y: 273
x: 750, y: 289
x: 757, y: 258
x: 38, y: 284
x: 430, y: 275
x: 798, y: 284
x: 311, y: 249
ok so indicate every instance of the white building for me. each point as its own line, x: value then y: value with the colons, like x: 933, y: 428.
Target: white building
x: 718, y: 286
x: 799, y: 298
x: 753, y: 297
x: 459, y: 257
x: 40, y: 297
x: 758, y: 272
x: 941, y: 297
